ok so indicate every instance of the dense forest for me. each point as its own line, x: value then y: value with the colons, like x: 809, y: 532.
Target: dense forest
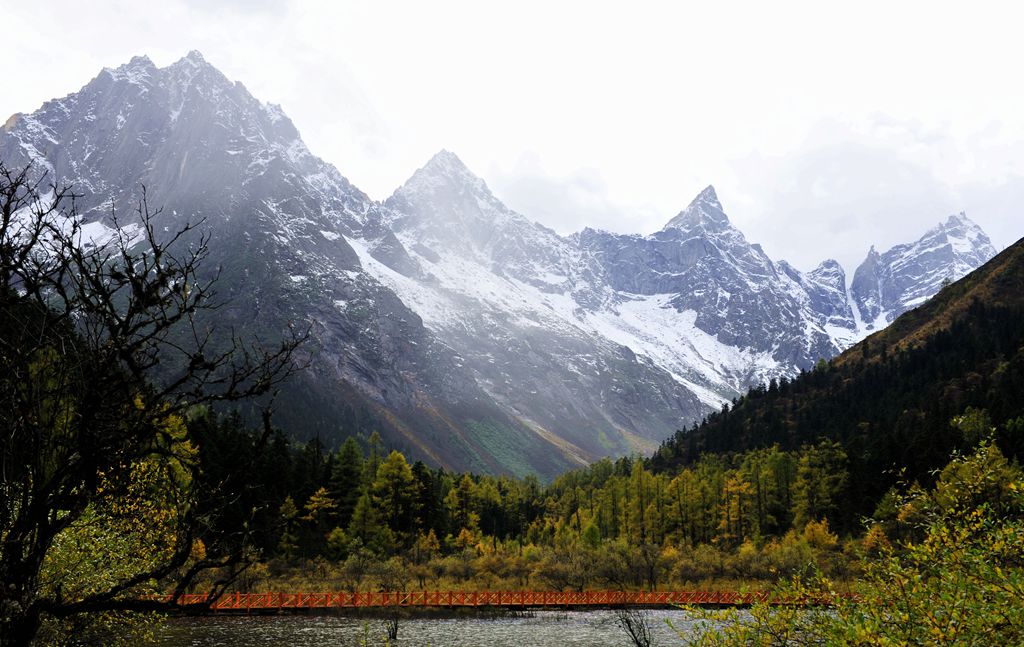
x: 370, y: 519
x: 615, y: 523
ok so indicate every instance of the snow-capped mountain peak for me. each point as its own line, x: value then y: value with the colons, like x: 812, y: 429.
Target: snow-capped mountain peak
x: 445, y: 162
x: 708, y: 197
x: 451, y: 208
x: 965, y: 236
x: 138, y: 70
x: 195, y: 62
x: 704, y: 211
x: 829, y: 272
x: 195, y: 57
x: 888, y: 284
x: 444, y: 172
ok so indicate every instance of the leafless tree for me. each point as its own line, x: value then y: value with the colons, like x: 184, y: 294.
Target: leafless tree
x: 391, y: 627
x: 101, y: 344
x: 637, y: 625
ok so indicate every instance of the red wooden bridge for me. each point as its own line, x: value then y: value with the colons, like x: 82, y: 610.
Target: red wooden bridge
x: 498, y: 599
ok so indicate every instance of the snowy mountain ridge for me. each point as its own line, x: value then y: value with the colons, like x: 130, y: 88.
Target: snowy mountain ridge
x: 467, y: 334
x: 660, y: 307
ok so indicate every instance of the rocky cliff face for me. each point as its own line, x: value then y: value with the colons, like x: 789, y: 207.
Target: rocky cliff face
x: 751, y: 318
x: 467, y: 334
x: 887, y: 285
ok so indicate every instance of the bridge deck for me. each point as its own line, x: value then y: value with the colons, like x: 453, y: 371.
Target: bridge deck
x: 504, y: 599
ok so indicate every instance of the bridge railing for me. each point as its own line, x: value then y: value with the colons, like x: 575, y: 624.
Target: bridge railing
x: 343, y: 600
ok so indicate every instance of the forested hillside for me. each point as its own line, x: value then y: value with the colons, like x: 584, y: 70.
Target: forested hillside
x: 889, y: 400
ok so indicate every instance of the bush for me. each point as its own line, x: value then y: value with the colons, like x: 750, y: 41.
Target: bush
x: 962, y: 583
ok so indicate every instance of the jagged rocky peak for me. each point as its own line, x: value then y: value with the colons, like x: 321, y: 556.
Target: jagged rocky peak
x: 194, y: 57
x: 193, y: 63
x: 445, y: 162
x: 195, y: 138
x: 448, y: 205
x: 865, y: 289
x: 139, y: 68
x: 445, y: 208
x: 963, y: 235
x: 705, y: 211
x: 888, y: 284
x: 178, y: 87
x: 829, y: 272
x: 960, y: 220
x: 441, y: 177
x: 966, y: 236
x: 829, y: 305
x: 190, y: 79
x: 826, y: 281
x: 957, y: 219
x: 868, y: 267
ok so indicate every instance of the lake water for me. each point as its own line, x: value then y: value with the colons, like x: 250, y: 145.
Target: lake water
x: 543, y: 628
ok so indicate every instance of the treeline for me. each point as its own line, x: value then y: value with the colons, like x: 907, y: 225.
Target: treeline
x: 888, y: 404
x: 616, y: 523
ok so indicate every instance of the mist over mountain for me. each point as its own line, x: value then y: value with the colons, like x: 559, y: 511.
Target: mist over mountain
x: 467, y: 334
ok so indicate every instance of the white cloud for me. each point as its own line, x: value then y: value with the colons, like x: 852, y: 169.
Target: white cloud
x: 878, y: 181
x: 824, y: 127
x: 568, y: 203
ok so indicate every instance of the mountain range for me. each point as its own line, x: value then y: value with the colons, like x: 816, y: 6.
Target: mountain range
x: 939, y: 379
x: 465, y: 333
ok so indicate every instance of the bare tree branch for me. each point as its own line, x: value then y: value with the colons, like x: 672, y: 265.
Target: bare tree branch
x: 102, y: 344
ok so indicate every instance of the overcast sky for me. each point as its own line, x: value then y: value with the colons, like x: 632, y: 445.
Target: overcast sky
x: 825, y: 127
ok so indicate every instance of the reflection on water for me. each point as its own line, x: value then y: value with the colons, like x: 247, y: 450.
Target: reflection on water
x: 591, y: 628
